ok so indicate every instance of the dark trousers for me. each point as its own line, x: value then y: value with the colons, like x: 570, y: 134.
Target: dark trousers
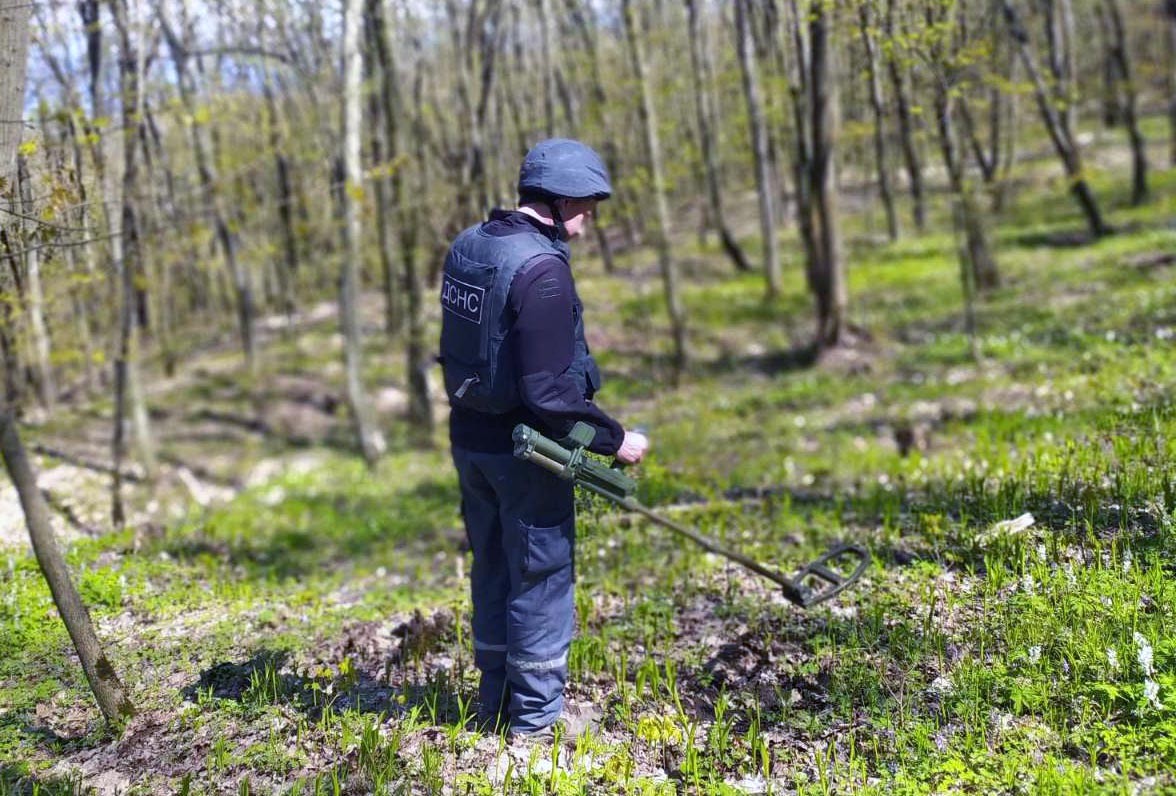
x: 520, y: 521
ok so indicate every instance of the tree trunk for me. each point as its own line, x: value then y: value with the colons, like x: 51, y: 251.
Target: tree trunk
x: 288, y: 270
x: 759, y: 145
x: 866, y: 24
x: 214, y: 204
x: 14, y: 49
x: 546, y: 66
x: 35, y: 293
x: 420, y: 406
x: 1056, y: 125
x: 977, y: 266
x: 1058, y: 17
x: 127, y: 256
x: 700, y: 62
x: 1170, y: 13
x: 597, y: 120
x: 906, y: 121
x: 383, y: 108
x: 1125, y: 82
x: 371, y: 441
x: 831, y: 295
x: 408, y: 213
x: 669, y: 269
x: 104, y: 682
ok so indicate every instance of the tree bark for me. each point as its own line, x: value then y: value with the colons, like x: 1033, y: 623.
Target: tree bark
x: 127, y: 256
x: 104, y: 681
x: 906, y: 121
x: 288, y: 270
x: 832, y: 296
x: 1170, y: 13
x: 669, y: 269
x: 371, y: 441
x: 214, y: 203
x: 1125, y: 83
x: 877, y: 104
x: 14, y: 49
x: 1056, y: 125
x: 383, y: 108
x: 701, y: 70
x: 597, y: 120
x: 35, y: 292
x: 408, y: 214
x: 546, y: 66
x: 759, y: 144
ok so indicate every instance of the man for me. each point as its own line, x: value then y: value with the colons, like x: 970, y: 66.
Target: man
x: 513, y: 351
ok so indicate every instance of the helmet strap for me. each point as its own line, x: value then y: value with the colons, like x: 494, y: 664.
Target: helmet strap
x: 560, y: 230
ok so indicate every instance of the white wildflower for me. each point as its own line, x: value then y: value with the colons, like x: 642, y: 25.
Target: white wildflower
x: 1144, y: 656
x: 1027, y: 583
x: 1151, y: 692
x: 1042, y: 555
x: 1127, y: 559
x: 1035, y: 653
x: 1071, y: 576
x: 1113, y: 659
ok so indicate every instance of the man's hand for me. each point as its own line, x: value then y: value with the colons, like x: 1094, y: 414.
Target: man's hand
x: 634, y: 448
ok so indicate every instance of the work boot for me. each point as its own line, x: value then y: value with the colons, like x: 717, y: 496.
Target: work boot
x: 572, y: 723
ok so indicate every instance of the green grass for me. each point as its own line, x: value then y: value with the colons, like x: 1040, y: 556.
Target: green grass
x: 258, y: 635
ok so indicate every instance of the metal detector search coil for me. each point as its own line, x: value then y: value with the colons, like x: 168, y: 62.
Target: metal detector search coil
x: 814, y: 583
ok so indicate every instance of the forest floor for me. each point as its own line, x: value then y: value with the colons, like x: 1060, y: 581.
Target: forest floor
x: 289, y: 621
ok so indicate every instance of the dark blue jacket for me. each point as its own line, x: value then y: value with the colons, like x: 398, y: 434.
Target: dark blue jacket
x: 525, y: 335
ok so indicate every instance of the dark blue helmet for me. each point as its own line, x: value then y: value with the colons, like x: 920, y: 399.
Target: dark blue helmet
x: 564, y: 168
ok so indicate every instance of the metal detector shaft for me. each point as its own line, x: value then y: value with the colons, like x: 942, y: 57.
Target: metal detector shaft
x: 814, y: 583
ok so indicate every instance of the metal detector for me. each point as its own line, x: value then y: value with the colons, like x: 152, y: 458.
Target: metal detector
x: 813, y: 583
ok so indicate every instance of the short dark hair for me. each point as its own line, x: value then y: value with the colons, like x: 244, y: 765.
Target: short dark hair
x: 536, y: 198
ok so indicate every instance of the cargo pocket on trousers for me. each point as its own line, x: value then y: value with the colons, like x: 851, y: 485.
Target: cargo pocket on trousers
x: 547, y: 549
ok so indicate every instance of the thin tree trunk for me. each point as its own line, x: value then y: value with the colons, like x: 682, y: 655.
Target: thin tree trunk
x: 1170, y: 13
x: 1108, y: 91
x: 127, y: 255
x: 214, y: 203
x: 35, y: 293
x: 108, y: 690
x: 1056, y: 125
x: 153, y: 285
x: 669, y: 268
x: 803, y: 157
x: 878, y: 105
x: 1059, y: 29
x: 832, y: 295
x: 420, y: 407
x: 1125, y: 81
x: 14, y: 49
x: 978, y: 264
x: 408, y: 216
x: 759, y: 145
x: 288, y: 269
x: 597, y: 119
x: 702, y: 71
x: 546, y: 66
x: 383, y: 108
x: 371, y: 441
x: 906, y: 122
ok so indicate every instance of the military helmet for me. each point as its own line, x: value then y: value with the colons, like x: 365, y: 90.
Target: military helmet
x: 564, y: 168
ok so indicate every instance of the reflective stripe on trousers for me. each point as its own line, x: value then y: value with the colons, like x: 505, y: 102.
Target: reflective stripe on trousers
x: 521, y: 528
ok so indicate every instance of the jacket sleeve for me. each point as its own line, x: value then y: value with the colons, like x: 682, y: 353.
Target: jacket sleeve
x: 543, y: 298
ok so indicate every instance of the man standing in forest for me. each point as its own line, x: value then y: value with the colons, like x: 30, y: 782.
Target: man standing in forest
x: 513, y: 351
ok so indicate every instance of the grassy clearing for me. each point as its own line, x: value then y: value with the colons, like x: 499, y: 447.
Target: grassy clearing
x: 310, y: 635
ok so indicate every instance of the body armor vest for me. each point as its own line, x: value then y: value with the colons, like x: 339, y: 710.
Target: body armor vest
x: 480, y: 372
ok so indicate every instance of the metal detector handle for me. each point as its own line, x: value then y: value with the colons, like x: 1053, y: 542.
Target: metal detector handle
x: 817, y: 582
